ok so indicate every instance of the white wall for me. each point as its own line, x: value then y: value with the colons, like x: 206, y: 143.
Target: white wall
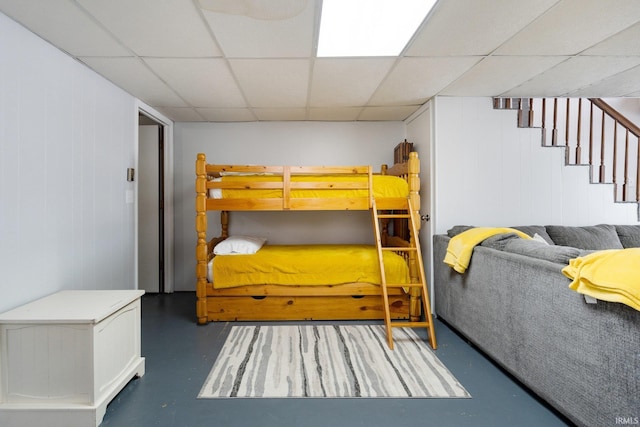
x: 275, y: 143
x: 419, y: 131
x: 630, y: 107
x: 488, y: 172
x: 66, y: 139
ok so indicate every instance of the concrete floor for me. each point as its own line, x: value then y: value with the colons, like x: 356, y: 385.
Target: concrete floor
x: 179, y: 355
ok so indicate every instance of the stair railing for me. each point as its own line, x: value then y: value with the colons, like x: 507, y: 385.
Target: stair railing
x: 598, y: 136
x: 630, y: 130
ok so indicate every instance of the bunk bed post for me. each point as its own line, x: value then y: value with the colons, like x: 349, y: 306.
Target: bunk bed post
x: 224, y: 224
x: 201, y: 245
x: 384, y: 223
x: 414, y: 182
x: 414, y: 195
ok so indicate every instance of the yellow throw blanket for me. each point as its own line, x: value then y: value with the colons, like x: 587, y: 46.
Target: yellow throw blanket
x: 461, y: 246
x: 610, y: 275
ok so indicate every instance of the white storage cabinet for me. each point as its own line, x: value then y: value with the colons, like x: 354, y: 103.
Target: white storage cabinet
x: 64, y: 357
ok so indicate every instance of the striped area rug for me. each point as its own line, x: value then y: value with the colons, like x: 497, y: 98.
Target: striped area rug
x: 327, y: 361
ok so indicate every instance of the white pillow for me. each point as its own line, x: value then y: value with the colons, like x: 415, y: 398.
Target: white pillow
x: 539, y: 238
x: 210, y: 271
x: 215, y: 193
x: 239, y: 245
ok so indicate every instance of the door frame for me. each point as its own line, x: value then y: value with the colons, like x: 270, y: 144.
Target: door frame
x: 167, y: 126
x: 422, y: 134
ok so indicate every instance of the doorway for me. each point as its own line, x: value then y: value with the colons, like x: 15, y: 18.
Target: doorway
x: 151, y: 205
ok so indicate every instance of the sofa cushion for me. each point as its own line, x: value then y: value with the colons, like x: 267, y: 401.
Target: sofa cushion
x: 629, y: 235
x: 457, y: 229
x: 532, y: 230
x: 602, y: 236
x: 532, y: 248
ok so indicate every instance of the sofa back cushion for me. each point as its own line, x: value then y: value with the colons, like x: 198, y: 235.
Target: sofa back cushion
x: 532, y: 248
x: 629, y: 235
x: 532, y: 230
x: 457, y: 229
x: 603, y: 236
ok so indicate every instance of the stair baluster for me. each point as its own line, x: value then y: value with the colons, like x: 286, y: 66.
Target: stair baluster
x: 578, y: 134
x: 567, y: 126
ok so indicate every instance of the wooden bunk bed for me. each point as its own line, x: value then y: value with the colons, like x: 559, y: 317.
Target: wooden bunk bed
x: 227, y: 188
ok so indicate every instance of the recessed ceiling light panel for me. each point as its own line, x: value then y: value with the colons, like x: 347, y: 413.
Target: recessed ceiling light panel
x: 369, y: 27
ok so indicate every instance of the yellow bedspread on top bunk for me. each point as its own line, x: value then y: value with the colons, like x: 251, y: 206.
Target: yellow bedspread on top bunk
x: 308, y: 265
x: 610, y: 275
x: 383, y: 186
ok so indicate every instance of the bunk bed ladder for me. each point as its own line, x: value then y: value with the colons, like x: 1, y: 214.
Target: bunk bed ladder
x: 421, y: 283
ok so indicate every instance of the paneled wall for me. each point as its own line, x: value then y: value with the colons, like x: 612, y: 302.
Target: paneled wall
x: 419, y: 131
x: 66, y: 139
x: 488, y: 172
x: 275, y: 143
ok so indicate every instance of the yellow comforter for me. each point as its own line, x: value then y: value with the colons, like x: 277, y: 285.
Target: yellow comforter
x: 308, y: 265
x: 609, y: 275
x: 383, y: 186
x: 461, y: 246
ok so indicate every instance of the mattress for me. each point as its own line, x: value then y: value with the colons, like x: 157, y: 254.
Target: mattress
x: 307, y: 265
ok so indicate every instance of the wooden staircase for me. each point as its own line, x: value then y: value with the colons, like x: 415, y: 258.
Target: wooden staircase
x: 593, y: 134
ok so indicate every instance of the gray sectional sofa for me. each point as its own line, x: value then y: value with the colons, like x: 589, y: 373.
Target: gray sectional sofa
x: 514, y: 303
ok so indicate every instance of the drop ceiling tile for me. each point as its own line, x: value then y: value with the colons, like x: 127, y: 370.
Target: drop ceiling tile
x: 414, y: 80
x: 178, y: 114
x: 626, y: 83
x: 573, y: 74
x: 227, y: 114
x: 344, y: 82
x: 497, y: 74
x: 64, y: 25
x: 273, y: 83
x: 340, y: 114
x: 475, y: 28
x: 171, y: 28
x: 246, y: 37
x: 573, y: 26
x: 626, y: 42
x: 278, y: 80
x: 398, y: 113
x: 132, y: 75
x: 280, y: 114
x: 200, y: 82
